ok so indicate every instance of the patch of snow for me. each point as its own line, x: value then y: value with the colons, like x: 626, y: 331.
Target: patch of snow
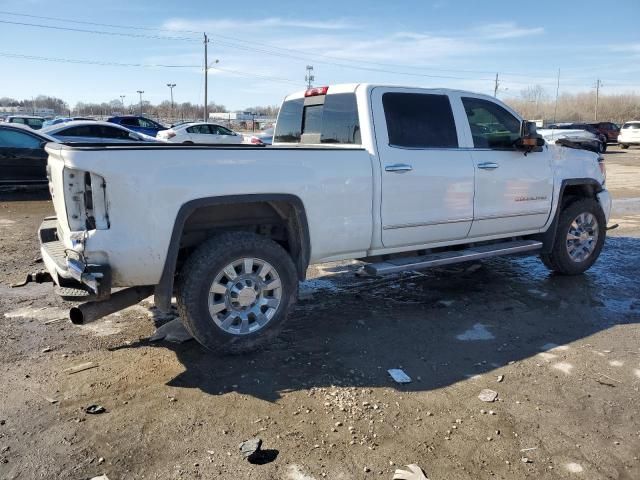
x: 43, y: 314
x: 616, y: 363
x: 476, y: 333
x: 296, y: 473
x: 564, y: 367
x: 547, y: 356
x: 574, y: 467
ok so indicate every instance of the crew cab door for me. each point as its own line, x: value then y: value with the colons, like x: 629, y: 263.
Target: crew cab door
x: 426, y: 179
x: 513, y: 191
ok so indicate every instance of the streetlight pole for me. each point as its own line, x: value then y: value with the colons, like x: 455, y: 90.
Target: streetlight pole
x: 122, y: 100
x: 140, y: 92
x: 171, y: 85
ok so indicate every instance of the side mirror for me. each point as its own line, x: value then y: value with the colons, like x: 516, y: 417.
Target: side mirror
x: 529, y: 140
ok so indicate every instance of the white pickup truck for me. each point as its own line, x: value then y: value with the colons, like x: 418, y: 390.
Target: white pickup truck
x: 400, y: 178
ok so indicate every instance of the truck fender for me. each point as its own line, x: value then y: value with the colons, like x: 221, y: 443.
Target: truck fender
x: 298, y: 230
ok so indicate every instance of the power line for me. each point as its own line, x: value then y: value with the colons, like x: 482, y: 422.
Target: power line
x: 143, y: 65
x: 92, y: 62
x: 97, y: 32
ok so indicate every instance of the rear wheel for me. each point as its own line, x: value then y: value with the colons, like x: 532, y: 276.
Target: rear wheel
x: 235, y: 291
x: 580, y: 236
x: 623, y: 146
x: 188, y: 142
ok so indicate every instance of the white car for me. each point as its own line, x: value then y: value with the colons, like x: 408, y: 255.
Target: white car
x: 578, y: 138
x: 94, y: 132
x: 629, y: 134
x: 199, y: 132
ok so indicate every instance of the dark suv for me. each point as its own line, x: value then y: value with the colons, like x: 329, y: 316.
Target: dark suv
x: 608, y: 129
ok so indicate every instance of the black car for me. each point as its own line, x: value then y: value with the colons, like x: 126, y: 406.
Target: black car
x: 23, y: 160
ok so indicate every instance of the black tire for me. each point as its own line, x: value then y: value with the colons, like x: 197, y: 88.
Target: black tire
x: 197, y: 278
x: 559, y: 260
x: 623, y: 146
x: 603, y: 147
x: 188, y: 142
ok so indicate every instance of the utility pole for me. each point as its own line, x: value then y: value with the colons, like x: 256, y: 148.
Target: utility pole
x: 555, y: 108
x: 171, y: 85
x: 495, y: 88
x: 598, y: 85
x: 140, y: 92
x: 122, y: 101
x: 309, y: 77
x: 206, y: 76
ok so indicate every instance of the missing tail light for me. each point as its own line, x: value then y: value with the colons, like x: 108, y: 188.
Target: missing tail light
x: 85, y: 200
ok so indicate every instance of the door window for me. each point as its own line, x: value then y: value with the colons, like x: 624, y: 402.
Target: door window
x: 419, y: 120
x: 218, y: 130
x: 129, y: 122
x: 12, y: 139
x: 200, y: 129
x: 79, y: 131
x: 491, y: 125
x: 113, y: 132
x: 145, y: 123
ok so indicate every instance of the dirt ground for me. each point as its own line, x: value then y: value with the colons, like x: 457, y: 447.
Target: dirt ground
x: 566, y: 352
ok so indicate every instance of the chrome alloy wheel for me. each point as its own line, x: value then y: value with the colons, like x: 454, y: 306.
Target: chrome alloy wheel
x: 582, y: 237
x: 245, y: 296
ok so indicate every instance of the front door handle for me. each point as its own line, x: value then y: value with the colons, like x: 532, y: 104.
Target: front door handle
x: 398, y: 168
x: 488, y: 166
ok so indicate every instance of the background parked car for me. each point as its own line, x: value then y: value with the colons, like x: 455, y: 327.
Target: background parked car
x: 138, y: 124
x: 57, y: 120
x: 629, y: 134
x: 94, y: 131
x: 582, y: 126
x: 608, y: 129
x: 574, y: 138
x: 33, y: 122
x: 199, y: 132
x: 263, y: 138
x: 23, y: 159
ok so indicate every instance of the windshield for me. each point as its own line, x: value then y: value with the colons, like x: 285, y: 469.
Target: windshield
x: 631, y: 126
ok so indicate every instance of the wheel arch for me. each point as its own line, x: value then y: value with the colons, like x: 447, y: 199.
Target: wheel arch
x: 571, y: 189
x: 289, y: 208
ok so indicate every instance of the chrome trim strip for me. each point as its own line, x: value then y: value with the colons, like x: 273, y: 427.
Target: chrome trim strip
x: 495, y: 217
x: 425, y: 224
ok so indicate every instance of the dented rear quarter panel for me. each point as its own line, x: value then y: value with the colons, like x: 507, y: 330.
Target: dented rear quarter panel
x: 145, y: 189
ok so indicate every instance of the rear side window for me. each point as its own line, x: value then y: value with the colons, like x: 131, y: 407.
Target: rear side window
x: 334, y: 121
x: 289, y: 124
x: 419, y: 120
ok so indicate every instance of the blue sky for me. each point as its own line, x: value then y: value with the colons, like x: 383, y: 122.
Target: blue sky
x: 263, y: 47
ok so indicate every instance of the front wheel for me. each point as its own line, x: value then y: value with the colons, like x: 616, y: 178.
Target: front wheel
x: 623, y: 146
x: 235, y: 291
x: 579, y: 238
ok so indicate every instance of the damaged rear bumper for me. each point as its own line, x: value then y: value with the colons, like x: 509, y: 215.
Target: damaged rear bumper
x: 68, y: 268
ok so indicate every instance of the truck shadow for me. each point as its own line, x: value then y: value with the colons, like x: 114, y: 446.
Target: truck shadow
x: 440, y: 327
x: 24, y: 193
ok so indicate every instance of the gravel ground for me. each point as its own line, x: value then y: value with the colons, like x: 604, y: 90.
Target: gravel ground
x: 563, y: 355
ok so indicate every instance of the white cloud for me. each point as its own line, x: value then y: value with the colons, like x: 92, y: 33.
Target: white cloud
x: 504, y: 30
x: 179, y: 24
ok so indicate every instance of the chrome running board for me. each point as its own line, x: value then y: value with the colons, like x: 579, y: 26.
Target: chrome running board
x: 452, y: 256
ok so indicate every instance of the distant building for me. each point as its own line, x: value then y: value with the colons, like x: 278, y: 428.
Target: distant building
x: 43, y: 112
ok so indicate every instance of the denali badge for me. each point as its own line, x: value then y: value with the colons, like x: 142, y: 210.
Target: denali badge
x: 529, y: 199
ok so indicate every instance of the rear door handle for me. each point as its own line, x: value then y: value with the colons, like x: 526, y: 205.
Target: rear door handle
x: 398, y: 168
x: 488, y: 166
